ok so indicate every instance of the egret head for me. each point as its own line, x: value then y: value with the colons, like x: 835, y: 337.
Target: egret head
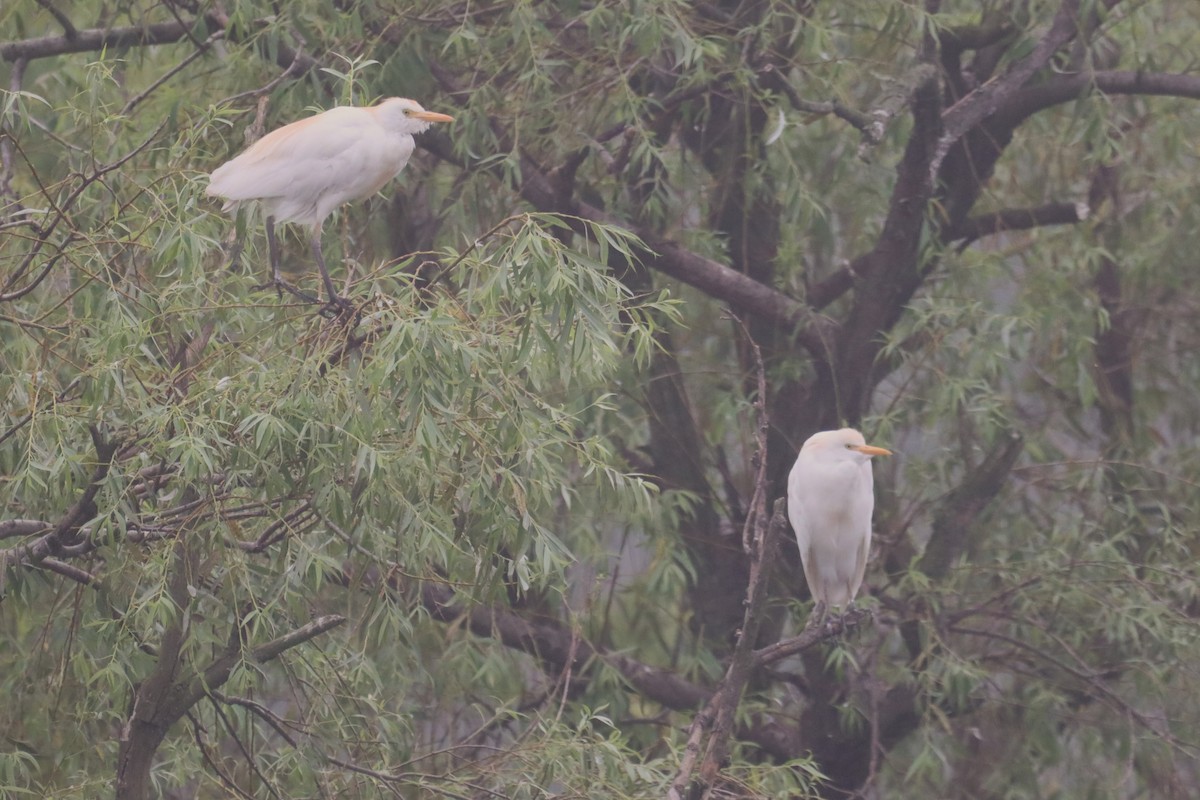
x: 846, y: 444
x: 402, y: 115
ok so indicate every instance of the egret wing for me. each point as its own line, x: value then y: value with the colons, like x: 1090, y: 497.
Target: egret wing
x: 802, y: 527
x: 313, y: 165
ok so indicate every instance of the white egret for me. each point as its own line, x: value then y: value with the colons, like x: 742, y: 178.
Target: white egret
x: 303, y: 171
x: 830, y: 501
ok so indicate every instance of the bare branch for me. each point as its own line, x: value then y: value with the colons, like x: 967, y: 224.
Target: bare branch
x: 1016, y: 219
x: 871, y: 125
x: 300, y: 518
x: 742, y: 663
x: 272, y: 649
x: 71, y: 571
x: 860, y: 121
x: 96, y: 39
x: 11, y: 528
x: 294, y: 61
x: 1065, y: 88
x: 755, y: 528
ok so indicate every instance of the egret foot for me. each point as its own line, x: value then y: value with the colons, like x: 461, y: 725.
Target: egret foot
x: 817, y: 616
x: 337, y: 306
x: 281, y: 286
x: 235, y: 255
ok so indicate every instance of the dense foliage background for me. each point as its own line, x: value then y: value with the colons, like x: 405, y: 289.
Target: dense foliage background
x: 496, y: 535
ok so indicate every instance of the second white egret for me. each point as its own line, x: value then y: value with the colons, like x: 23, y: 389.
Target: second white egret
x: 831, y: 498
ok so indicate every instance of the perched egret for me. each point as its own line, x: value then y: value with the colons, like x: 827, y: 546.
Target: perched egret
x: 303, y: 171
x: 830, y: 500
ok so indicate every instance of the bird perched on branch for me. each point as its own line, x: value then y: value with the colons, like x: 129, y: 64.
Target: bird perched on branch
x: 303, y: 171
x: 830, y: 501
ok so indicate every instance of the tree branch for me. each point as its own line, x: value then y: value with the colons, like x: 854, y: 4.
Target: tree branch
x: 812, y: 635
x: 64, y: 533
x: 758, y: 538
x: 1065, y: 88
x: 983, y: 101
x: 11, y: 528
x: 863, y: 123
x: 272, y: 649
x: 975, y: 37
x: 551, y: 642
x: 61, y: 18
x: 1016, y: 219
x: 163, y: 699
x: 97, y: 39
x: 217, y: 673
x: 60, y: 214
x: 889, y: 273
x: 151, y: 716
x: 92, y: 39
x: 955, y: 516
x: 720, y: 282
x: 71, y: 571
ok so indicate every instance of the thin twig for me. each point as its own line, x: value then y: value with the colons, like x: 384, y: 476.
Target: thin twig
x: 62, y: 19
x: 475, y: 245
x: 7, y: 161
x: 200, y: 50
x: 294, y: 68
x: 71, y: 571
x: 61, y: 214
x: 232, y: 732
x: 213, y: 762
x: 712, y: 728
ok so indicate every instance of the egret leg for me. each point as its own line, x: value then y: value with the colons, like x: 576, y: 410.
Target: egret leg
x: 276, y: 278
x: 817, y: 617
x: 335, y: 300
x: 273, y: 252
x: 236, y: 246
